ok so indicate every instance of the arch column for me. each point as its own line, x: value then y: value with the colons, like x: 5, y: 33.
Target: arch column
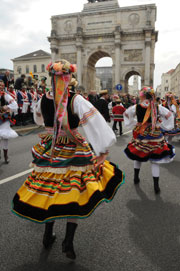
x: 147, y: 58
x: 79, y: 64
x: 54, y: 53
x: 117, y: 54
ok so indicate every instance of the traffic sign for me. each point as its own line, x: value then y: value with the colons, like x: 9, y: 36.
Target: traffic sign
x: 119, y: 87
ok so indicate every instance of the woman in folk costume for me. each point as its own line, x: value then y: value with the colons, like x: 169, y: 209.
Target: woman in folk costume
x: 7, y: 106
x: 148, y: 143
x: 68, y: 181
x: 171, y: 104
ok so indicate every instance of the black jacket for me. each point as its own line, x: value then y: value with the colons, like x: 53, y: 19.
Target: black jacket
x: 102, y: 106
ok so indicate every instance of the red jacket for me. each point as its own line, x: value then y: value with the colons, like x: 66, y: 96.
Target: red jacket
x: 118, y: 111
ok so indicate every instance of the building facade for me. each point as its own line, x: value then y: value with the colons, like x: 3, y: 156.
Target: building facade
x: 175, y: 81
x: 34, y: 63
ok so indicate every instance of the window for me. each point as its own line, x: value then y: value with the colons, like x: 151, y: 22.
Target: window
x: 166, y: 88
x: 42, y: 68
x: 166, y: 81
x: 19, y: 69
x: 27, y: 69
x: 35, y: 68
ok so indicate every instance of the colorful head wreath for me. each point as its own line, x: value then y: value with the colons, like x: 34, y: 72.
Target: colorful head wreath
x: 148, y: 92
x: 61, y: 73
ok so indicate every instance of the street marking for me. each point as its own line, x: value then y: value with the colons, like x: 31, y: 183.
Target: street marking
x: 29, y: 170
x: 127, y: 132
x: 15, y: 176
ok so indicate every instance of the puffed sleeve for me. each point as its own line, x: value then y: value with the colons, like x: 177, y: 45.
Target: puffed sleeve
x: 97, y: 131
x: 167, y: 118
x: 12, y: 105
x: 130, y: 117
x: 37, y: 114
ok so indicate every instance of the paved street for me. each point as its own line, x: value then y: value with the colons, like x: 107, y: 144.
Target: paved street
x: 136, y: 231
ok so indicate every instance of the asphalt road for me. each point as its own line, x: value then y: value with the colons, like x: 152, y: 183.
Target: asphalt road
x: 136, y: 231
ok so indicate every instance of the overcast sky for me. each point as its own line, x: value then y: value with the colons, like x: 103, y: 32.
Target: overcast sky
x: 25, y: 25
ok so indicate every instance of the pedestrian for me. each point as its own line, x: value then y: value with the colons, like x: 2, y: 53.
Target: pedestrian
x: 19, y: 82
x: 6, y: 79
x: 93, y: 97
x: 7, y: 106
x: 67, y: 181
x: 80, y: 90
x: 118, y: 111
x: 32, y: 96
x: 23, y: 105
x: 43, y: 84
x: 148, y: 143
x: 102, y: 105
x: 171, y: 104
x: 11, y: 91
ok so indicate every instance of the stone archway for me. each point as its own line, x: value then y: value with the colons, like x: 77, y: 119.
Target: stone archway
x: 127, y: 77
x: 103, y: 28
x: 89, y: 80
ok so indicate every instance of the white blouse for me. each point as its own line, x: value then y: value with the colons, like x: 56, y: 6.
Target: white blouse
x: 97, y: 131
x: 166, y: 117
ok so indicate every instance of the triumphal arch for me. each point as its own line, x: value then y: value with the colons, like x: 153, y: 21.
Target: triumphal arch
x: 104, y: 29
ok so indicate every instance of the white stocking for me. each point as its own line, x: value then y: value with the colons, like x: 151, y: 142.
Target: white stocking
x: 137, y: 164
x: 4, y: 144
x: 155, y: 170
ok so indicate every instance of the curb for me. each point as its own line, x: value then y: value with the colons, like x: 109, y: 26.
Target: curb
x: 26, y: 129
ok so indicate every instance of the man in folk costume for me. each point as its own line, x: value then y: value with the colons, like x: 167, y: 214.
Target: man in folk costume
x: 68, y: 180
x: 7, y: 106
x: 32, y: 95
x: 171, y: 104
x: 118, y: 111
x: 11, y: 91
x: 23, y: 104
x: 43, y: 84
x: 39, y: 94
x: 148, y: 143
x: 102, y: 104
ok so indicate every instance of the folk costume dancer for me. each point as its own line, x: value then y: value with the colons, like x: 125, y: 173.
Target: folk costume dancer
x: 118, y: 111
x: 171, y: 104
x: 148, y: 143
x: 7, y: 106
x: 68, y: 181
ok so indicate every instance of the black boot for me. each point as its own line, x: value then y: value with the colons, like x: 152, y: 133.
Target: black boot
x: 6, y: 156
x: 136, y: 175
x: 156, y: 185
x: 49, y: 237
x: 67, y: 244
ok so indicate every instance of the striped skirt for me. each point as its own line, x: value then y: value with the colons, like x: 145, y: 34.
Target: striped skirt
x: 175, y: 131
x: 64, y: 185
x: 151, y: 146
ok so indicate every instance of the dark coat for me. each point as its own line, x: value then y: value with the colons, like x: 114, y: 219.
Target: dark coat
x: 102, y: 106
x: 19, y: 82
